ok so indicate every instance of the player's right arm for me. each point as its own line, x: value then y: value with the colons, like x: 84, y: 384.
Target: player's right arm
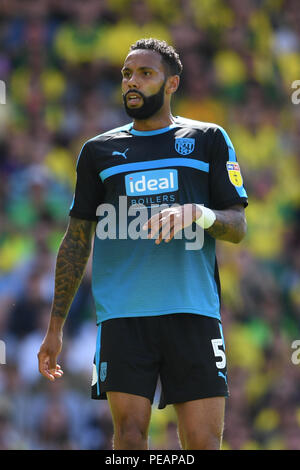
x: 71, y: 261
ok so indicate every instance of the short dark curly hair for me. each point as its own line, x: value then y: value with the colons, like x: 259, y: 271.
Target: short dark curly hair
x: 169, y: 56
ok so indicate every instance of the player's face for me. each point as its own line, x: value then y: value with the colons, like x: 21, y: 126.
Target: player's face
x: 143, y: 84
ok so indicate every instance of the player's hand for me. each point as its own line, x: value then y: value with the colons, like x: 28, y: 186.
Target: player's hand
x: 168, y: 222
x: 47, y: 356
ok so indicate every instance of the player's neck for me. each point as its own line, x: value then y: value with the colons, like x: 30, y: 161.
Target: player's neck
x: 158, y: 121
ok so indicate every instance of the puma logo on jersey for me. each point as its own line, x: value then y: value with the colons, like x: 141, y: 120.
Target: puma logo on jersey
x: 223, y: 376
x: 123, y: 154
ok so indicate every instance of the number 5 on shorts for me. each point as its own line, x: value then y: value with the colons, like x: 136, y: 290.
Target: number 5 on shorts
x: 219, y: 353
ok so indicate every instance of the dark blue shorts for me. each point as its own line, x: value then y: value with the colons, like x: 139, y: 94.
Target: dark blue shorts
x: 186, y: 352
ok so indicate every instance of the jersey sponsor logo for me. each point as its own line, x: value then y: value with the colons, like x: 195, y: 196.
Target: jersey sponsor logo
x: 151, y: 182
x: 234, y: 174
x: 184, y: 145
x: 122, y: 154
x: 103, y: 371
x: 153, y: 201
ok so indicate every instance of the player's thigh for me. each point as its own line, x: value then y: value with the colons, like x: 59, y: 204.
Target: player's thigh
x: 201, y: 422
x: 126, y: 360
x: 196, y: 368
x: 129, y: 412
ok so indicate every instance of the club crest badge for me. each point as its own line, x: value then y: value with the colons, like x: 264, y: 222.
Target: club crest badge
x: 103, y: 371
x: 234, y: 174
x: 184, y: 145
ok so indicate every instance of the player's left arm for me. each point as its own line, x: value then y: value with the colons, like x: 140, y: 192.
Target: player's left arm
x: 230, y: 224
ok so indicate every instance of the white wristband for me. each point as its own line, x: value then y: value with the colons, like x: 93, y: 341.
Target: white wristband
x: 207, y: 218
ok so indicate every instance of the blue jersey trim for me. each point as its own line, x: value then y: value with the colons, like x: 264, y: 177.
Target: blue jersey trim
x: 231, y: 151
x: 154, y: 132
x: 126, y: 167
x: 232, y: 158
x: 72, y: 203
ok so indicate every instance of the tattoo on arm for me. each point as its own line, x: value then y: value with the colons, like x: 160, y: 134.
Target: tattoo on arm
x: 71, y: 261
x: 230, y: 224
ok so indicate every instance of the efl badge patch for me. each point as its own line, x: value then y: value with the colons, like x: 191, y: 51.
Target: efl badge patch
x: 234, y: 173
x: 184, y: 145
x: 103, y: 371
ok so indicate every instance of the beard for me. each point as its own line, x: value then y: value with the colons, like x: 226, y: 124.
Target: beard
x: 151, y: 104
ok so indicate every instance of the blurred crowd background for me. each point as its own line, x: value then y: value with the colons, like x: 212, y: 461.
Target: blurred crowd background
x: 60, y: 61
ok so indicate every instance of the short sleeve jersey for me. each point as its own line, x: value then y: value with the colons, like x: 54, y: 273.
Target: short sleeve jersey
x: 187, y: 162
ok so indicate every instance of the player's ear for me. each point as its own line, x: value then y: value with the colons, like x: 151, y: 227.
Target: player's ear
x: 172, y: 84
